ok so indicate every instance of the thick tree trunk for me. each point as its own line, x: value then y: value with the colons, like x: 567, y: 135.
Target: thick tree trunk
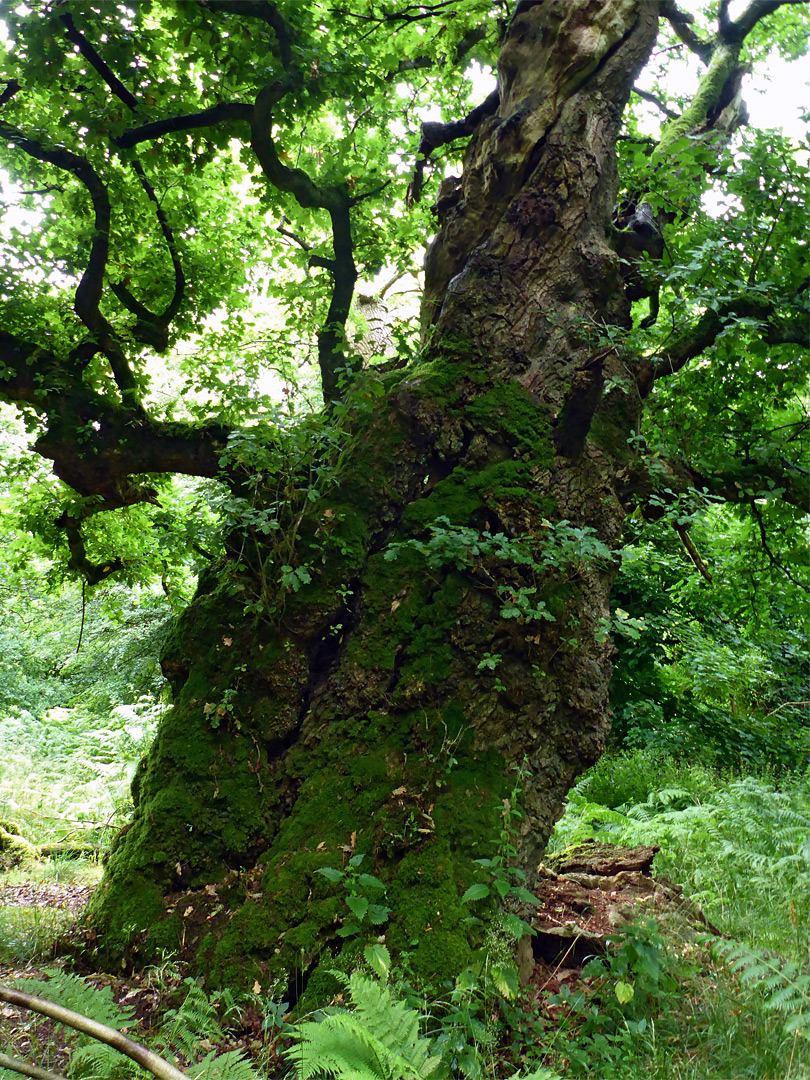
x: 396, y: 706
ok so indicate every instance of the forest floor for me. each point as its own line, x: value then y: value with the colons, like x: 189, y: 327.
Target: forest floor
x: 584, y: 895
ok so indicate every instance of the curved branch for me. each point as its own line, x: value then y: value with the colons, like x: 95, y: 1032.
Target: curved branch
x: 647, y: 96
x: 681, y: 23
x: 95, y: 61
x: 435, y: 134
x: 154, y: 1064
x: 735, y: 31
x: 88, y: 292
x: 95, y: 443
x: 331, y: 336
x: 689, y: 344
x: 268, y: 13
x: 92, y: 573
x: 24, y: 1069
x: 217, y: 114
x: 763, y: 539
x: 292, y: 180
x: 153, y: 329
x: 337, y: 202
x: 150, y: 329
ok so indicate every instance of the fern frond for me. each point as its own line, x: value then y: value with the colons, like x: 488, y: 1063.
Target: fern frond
x: 232, y: 1065
x: 196, y: 1019
x: 340, y: 1046
x: 378, y: 1040
x: 785, y: 987
x: 96, y: 1061
x: 73, y: 992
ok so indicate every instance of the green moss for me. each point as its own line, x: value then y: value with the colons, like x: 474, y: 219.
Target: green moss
x: 15, y: 850
x: 128, y: 904
x: 454, y: 498
x: 429, y: 924
x: 509, y: 410
x: 724, y: 58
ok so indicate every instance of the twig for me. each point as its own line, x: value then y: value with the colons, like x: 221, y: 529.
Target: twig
x: 158, y: 1066
x: 25, y: 1069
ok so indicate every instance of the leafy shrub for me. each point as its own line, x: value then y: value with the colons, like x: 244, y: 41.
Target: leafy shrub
x: 621, y: 779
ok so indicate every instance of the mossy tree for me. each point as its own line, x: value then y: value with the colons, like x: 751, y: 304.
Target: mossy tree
x: 403, y: 651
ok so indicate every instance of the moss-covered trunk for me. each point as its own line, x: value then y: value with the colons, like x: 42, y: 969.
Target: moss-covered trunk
x: 450, y: 647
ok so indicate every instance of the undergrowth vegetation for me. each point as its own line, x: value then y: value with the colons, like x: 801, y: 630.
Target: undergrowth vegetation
x: 708, y: 763
x: 80, y: 695
x: 720, y: 991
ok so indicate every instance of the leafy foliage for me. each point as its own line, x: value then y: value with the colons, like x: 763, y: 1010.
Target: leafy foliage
x: 378, y: 1040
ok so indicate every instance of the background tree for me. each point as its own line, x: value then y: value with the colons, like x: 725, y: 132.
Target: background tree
x: 406, y: 638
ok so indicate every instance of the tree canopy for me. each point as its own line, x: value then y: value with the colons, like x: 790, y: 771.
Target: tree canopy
x: 207, y: 182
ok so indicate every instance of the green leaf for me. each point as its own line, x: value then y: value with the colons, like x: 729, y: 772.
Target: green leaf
x: 369, y: 881
x: 331, y: 873
x: 520, y: 892
x: 378, y: 913
x: 505, y: 978
x: 475, y: 892
x: 624, y: 992
x: 379, y: 960
x: 358, y: 905
x: 516, y: 926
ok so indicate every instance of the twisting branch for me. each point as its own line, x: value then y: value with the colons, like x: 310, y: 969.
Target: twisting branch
x: 763, y: 539
x: 153, y: 329
x: 91, y: 573
x: 95, y: 443
x: 734, y: 31
x: 88, y: 292
x: 95, y: 61
x: 693, y: 341
x: 217, y: 114
x: 268, y: 13
x: 435, y: 134
x: 409, y: 14
x: 150, y: 329
x: 337, y: 202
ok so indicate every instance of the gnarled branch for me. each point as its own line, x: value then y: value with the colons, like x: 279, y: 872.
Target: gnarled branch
x: 88, y: 292
x: 736, y: 30
x: 337, y: 202
x: 681, y: 23
x: 268, y: 13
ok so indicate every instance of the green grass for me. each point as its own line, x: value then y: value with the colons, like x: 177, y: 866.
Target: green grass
x: 28, y: 934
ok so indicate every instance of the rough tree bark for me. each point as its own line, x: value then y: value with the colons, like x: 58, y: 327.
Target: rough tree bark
x: 362, y: 719
x: 440, y: 676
